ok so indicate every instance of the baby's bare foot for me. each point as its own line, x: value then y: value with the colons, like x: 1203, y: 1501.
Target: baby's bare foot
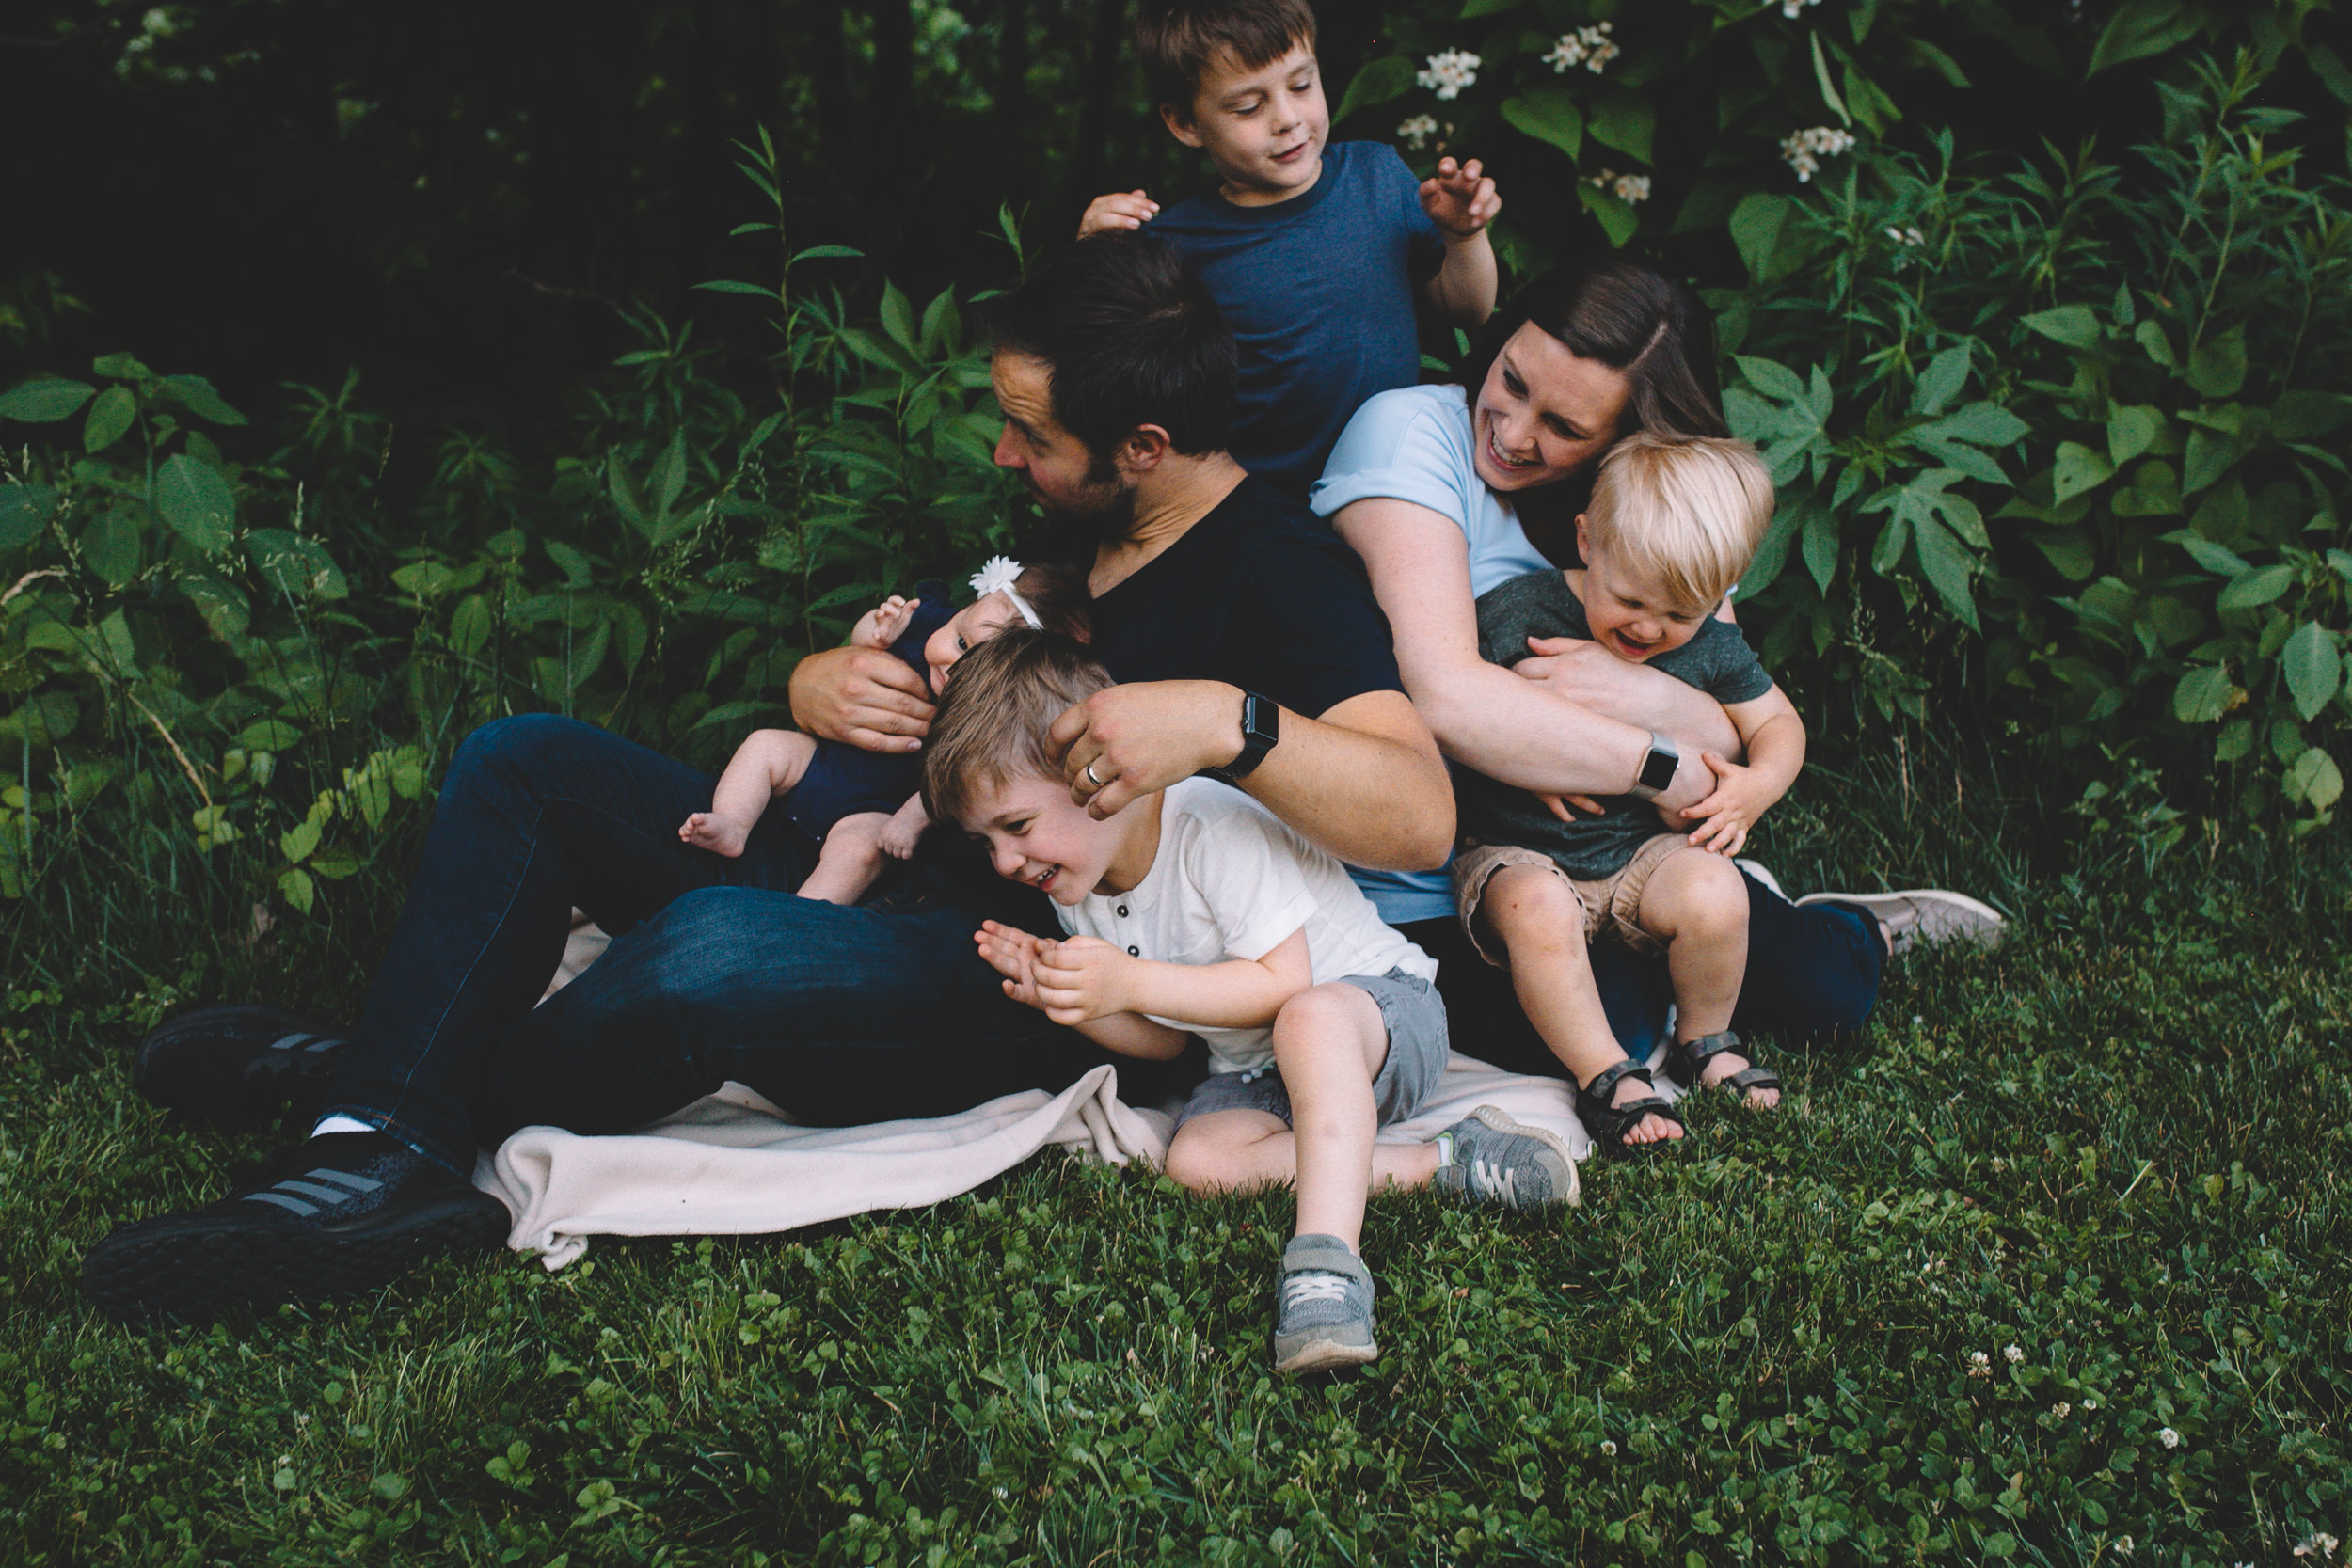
x: 706, y: 831
x: 1651, y: 1128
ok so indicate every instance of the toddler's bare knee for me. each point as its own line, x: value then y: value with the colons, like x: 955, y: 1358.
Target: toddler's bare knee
x: 1714, y: 897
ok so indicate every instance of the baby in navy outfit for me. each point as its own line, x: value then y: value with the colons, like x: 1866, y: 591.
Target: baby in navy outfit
x: 861, y: 805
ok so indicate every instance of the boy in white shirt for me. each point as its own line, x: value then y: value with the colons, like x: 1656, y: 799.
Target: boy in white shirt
x: 1194, y: 910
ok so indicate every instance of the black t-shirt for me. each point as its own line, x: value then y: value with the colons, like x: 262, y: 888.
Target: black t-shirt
x: 1258, y: 593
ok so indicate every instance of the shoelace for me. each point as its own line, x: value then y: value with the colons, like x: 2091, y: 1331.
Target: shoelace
x: 1300, y: 1288
x: 1494, y: 1181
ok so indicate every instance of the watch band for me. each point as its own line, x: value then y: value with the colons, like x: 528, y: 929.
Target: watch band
x: 1261, y: 728
x: 1658, y: 768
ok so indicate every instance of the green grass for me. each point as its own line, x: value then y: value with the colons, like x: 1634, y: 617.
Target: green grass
x: 2118, y: 1145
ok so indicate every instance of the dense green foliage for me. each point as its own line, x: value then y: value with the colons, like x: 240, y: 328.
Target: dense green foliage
x: 2118, y: 1146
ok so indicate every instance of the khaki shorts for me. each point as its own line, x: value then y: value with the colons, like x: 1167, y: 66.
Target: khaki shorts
x: 1612, y: 904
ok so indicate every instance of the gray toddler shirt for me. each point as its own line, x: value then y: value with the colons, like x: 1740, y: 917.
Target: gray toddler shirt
x: 1717, y: 660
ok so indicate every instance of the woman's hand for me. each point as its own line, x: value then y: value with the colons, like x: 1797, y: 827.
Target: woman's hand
x: 865, y: 697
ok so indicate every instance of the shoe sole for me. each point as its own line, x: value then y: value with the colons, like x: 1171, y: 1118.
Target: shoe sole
x: 1319, y: 1356
x: 191, y: 1271
x: 1871, y: 901
x: 1495, y: 1120
x: 232, y: 1101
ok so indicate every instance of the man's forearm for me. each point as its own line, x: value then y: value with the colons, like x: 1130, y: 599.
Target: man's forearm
x: 1364, y: 783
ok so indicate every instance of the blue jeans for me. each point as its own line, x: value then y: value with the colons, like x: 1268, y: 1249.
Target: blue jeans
x: 1813, y: 975
x: 717, y: 970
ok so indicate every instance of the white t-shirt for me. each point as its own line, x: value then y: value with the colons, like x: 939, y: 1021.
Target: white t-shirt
x: 1231, y: 881
x: 1415, y: 444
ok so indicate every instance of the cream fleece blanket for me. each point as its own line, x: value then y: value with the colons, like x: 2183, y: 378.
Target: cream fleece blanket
x: 732, y: 1165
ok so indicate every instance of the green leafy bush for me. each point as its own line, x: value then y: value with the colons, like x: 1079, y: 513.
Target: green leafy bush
x: 2135, y: 517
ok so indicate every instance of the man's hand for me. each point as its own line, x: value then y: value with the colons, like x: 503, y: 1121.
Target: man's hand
x: 863, y: 697
x: 1118, y: 210
x: 1459, y: 198
x: 1080, y: 979
x: 1012, y: 952
x: 882, y: 625
x: 1724, y: 816
x: 1129, y: 741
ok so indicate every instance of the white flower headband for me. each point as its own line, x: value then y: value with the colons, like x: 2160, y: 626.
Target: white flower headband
x: 997, y: 576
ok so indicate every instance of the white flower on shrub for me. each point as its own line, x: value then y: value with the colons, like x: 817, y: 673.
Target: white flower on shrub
x: 1416, y: 131
x: 2170, y: 1438
x: 1790, y: 7
x: 1804, y: 150
x: 1449, y: 73
x: 1628, y: 188
x: 1590, y: 47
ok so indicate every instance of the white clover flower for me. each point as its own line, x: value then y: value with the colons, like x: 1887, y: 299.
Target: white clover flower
x: 2320, y: 1544
x: 1608, y: 1449
x: 1980, y: 1364
x: 2090, y: 1405
x: 1804, y: 150
x: 1415, y: 133
x: 2170, y: 1438
x: 1449, y: 73
x: 2123, y: 1545
x: 1790, y: 7
x: 2061, y: 1410
x: 2011, y: 1354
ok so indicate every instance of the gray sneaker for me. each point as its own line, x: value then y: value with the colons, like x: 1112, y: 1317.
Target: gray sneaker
x: 1323, y: 1308
x: 1497, y: 1160
x: 1925, y: 916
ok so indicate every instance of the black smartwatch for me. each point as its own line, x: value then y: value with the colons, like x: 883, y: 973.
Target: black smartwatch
x: 1260, y: 727
x: 1658, y: 770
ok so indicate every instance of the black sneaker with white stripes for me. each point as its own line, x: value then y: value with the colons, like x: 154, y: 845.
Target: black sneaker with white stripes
x: 338, y: 1214
x: 240, y: 1065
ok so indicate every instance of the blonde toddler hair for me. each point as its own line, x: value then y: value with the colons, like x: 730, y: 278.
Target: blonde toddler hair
x: 1685, y: 512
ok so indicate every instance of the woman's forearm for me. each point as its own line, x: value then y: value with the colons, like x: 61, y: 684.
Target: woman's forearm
x: 1519, y: 733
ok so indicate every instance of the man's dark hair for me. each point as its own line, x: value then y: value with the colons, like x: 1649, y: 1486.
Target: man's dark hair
x: 1129, y: 336
x: 1633, y: 319
x: 1177, y: 39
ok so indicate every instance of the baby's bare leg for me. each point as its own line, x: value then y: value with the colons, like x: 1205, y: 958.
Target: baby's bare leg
x: 850, y: 859
x: 1541, y: 922
x: 1697, y: 905
x: 767, y: 764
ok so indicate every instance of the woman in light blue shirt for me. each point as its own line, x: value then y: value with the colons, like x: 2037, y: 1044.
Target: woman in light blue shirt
x: 1447, y: 491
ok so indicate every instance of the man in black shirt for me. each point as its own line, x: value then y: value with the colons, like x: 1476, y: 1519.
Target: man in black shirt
x: 1254, y: 646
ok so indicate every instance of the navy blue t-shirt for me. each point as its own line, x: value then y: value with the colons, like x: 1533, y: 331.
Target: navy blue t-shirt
x: 841, y: 780
x: 1319, y: 292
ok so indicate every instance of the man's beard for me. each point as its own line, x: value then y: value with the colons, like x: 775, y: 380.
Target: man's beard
x: 1105, y: 508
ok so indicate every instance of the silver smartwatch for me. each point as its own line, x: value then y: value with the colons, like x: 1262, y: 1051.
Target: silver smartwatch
x: 1658, y: 768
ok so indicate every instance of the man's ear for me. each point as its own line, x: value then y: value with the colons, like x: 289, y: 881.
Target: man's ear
x: 1179, y: 123
x: 1145, y: 448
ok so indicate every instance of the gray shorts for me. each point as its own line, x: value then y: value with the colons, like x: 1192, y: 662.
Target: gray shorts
x: 1414, y: 1015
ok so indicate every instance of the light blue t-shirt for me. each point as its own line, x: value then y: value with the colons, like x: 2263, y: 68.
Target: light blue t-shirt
x: 1414, y: 444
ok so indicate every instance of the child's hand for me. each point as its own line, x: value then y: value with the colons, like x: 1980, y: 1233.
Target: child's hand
x: 902, y: 833
x: 1459, y: 199
x: 705, y: 830
x: 1081, y: 979
x: 1013, y: 954
x: 1729, y: 810
x: 1118, y: 210
x: 882, y: 625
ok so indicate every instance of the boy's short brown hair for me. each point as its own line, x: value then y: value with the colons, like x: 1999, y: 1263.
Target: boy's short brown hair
x: 995, y: 722
x: 1177, y: 39
x: 1685, y: 512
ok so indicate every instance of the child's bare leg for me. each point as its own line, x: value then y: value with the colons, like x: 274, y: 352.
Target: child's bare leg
x: 1541, y: 922
x: 1238, y: 1150
x: 850, y: 859
x: 767, y: 764
x: 1697, y: 904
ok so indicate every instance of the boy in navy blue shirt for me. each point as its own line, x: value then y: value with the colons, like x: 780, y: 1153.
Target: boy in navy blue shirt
x: 1316, y: 252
